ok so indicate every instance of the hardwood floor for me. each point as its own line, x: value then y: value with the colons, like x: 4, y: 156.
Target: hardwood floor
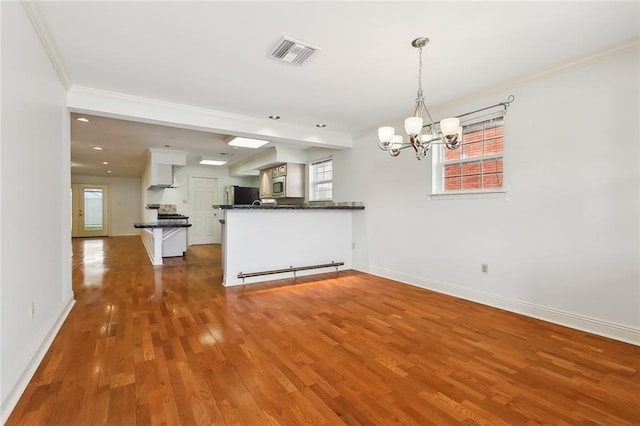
x: 169, y: 345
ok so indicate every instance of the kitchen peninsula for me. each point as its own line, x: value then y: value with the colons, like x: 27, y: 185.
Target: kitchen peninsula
x: 270, y: 237
x: 164, y: 238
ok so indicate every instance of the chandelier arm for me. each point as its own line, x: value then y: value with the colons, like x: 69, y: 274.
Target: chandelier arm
x: 428, y: 115
x: 382, y: 147
x: 504, y: 105
x: 404, y: 145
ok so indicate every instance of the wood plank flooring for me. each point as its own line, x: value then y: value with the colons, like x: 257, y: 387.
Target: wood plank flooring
x: 170, y: 346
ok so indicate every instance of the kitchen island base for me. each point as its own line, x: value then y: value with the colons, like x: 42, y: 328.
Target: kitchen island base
x: 279, y: 240
x: 167, y: 239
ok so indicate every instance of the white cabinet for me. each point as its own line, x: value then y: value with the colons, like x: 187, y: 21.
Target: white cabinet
x: 266, y: 183
x: 294, y: 180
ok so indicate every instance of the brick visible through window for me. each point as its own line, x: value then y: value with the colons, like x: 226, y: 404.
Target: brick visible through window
x: 477, y: 164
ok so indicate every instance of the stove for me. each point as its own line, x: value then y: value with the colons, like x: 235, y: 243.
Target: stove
x: 162, y: 217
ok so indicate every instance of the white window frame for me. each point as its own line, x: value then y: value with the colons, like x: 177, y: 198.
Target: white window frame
x: 439, y: 164
x: 313, y: 184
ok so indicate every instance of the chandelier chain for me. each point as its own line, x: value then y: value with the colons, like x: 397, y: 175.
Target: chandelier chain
x: 420, y: 73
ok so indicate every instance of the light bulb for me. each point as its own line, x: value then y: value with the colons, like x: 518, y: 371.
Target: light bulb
x: 449, y: 126
x: 413, y: 125
x: 385, y: 133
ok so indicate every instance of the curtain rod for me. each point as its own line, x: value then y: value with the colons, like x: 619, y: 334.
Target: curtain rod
x: 504, y: 104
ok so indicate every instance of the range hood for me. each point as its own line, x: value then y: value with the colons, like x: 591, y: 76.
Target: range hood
x: 160, y: 167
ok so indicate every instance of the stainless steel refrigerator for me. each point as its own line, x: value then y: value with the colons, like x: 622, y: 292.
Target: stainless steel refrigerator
x: 234, y: 194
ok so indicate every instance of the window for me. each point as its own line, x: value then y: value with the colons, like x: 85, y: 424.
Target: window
x: 321, y: 180
x: 476, y: 166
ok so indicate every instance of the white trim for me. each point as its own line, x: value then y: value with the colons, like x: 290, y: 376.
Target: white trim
x: 154, y: 111
x: 313, y: 184
x: 439, y: 163
x: 48, y: 44
x: 15, y: 393
x: 468, y: 195
x: 596, y: 326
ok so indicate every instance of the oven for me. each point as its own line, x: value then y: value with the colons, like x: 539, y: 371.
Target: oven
x: 278, y: 188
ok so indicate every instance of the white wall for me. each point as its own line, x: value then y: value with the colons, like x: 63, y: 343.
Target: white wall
x: 125, y: 201
x: 35, y: 204
x: 564, y: 247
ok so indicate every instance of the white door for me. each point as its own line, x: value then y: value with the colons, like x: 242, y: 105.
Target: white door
x: 203, y: 193
x: 89, y: 210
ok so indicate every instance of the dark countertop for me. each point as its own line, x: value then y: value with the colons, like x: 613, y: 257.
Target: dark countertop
x: 165, y: 216
x: 163, y: 224
x: 288, y: 207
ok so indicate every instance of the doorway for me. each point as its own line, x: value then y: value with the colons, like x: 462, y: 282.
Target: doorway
x: 89, y: 210
x: 203, y: 193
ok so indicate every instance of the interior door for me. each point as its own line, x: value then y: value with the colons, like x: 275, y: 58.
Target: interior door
x: 90, y: 213
x: 203, y: 193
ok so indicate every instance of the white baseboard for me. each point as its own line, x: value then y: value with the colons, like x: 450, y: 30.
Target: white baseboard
x: 608, y: 329
x: 15, y: 393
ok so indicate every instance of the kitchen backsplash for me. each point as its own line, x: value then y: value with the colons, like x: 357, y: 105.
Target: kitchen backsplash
x: 164, y: 208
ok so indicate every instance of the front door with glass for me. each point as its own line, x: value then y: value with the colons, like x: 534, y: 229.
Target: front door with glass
x: 89, y: 210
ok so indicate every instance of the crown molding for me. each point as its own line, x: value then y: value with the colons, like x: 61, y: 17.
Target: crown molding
x: 595, y: 57
x: 500, y: 89
x: 47, y: 41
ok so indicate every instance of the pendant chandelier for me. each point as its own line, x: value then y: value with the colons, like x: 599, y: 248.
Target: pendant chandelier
x: 447, y: 131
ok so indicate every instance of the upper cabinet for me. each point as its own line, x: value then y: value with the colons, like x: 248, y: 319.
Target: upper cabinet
x: 265, y: 183
x: 288, y: 177
x: 295, y: 180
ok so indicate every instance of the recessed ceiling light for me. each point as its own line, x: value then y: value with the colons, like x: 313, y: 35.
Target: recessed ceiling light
x: 105, y: 162
x: 321, y: 125
x: 97, y: 148
x: 167, y: 146
x: 274, y: 117
x: 208, y: 162
x: 247, y: 143
x: 83, y: 119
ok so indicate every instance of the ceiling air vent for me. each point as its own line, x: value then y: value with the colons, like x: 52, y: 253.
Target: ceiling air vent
x: 292, y: 51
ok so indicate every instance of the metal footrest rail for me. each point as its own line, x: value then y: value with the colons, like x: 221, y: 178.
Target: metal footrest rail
x: 293, y: 269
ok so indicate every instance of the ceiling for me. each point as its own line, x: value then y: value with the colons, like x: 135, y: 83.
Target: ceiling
x: 213, y: 55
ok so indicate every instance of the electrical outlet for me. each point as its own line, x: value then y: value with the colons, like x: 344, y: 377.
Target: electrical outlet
x: 485, y: 268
